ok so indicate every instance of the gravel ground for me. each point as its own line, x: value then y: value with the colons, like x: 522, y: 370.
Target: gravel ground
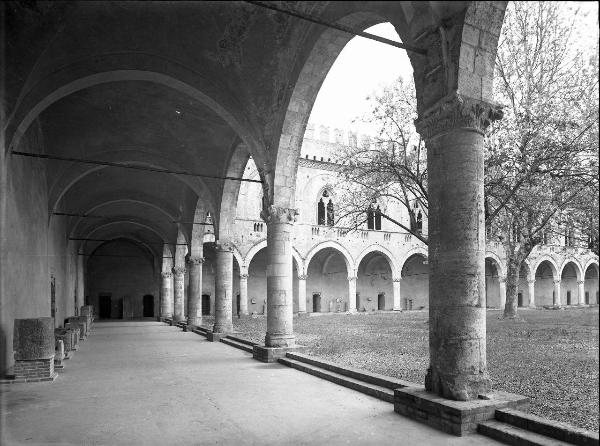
x: 550, y: 356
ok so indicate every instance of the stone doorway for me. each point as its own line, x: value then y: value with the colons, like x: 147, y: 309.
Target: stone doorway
x: 381, y: 301
x: 205, y: 305
x: 520, y: 299
x: 148, y: 305
x: 104, y: 306
x: 568, y: 298
x: 316, y: 303
x: 357, y: 301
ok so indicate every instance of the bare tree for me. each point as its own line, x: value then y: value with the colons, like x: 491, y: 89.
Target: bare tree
x: 541, y: 160
x: 389, y: 169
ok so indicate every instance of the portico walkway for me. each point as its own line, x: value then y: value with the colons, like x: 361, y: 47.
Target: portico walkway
x: 144, y: 383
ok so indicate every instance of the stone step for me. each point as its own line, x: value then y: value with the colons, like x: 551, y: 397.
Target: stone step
x: 201, y: 331
x: 380, y: 392
x: 515, y: 436
x: 234, y: 343
x: 242, y: 340
x: 560, y: 431
x: 361, y: 375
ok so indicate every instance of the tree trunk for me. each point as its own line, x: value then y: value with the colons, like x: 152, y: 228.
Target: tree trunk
x: 512, y: 286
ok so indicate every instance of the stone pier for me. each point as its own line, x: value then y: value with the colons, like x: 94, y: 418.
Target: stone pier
x: 178, y: 293
x: 194, y: 316
x: 223, y: 292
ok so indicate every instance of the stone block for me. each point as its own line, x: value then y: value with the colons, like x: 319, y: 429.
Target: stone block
x: 215, y: 337
x: 33, y: 338
x: 68, y: 336
x: 272, y: 354
x: 77, y: 327
x: 454, y: 417
x: 59, y: 355
x: 35, y: 370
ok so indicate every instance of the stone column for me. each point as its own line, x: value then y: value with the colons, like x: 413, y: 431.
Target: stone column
x: 580, y: 292
x: 396, y: 281
x: 453, y: 130
x: 178, y: 293
x: 223, y: 288
x: 302, y: 293
x: 243, y: 294
x: 194, y: 315
x: 531, y: 285
x: 166, y: 292
x: 352, y: 294
x: 280, y: 290
x: 557, y: 292
x: 502, y: 286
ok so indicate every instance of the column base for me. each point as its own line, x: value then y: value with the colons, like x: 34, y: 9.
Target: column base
x: 352, y: 311
x: 454, y: 417
x: 272, y: 354
x: 215, y: 337
x: 302, y: 314
x: 399, y: 310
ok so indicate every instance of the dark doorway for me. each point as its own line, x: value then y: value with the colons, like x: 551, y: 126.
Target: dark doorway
x: 120, y: 309
x: 104, y: 306
x: 381, y: 301
x: 237, y: 307
x: 358, y: 301
x: 587, y: 297
x: 148, y: 305
x: 205, y: 305
x: 568, y: 298
x: 316, y: 303
x: 520, y: 299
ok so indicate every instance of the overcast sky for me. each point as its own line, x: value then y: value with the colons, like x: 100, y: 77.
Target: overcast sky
x: 365, y: 65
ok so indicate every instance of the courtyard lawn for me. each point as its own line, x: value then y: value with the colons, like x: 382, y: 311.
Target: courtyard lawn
x: 550, y: 356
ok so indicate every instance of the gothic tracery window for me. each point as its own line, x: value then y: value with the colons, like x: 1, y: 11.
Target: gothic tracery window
x: 325, y: 210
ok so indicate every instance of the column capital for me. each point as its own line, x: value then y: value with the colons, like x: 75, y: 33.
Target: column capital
x: 502, y: 279
x: 457, y: 111
x: 350, y: 278
x: 556, y: 282
x: 166, y: 274
x: 224, y: 246
x: 278, y: 214
x: 196, y: 260
x: 302, y: 277
x: 179, y: 270
x: 580, y: 282
x: 531, y: 281
x: 244, y: 276
x: 397, y: 279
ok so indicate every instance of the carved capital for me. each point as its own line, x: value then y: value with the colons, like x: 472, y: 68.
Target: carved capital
x: 196, y: 260
x: 457, y: 111
x: 302, y: 277
x: 276, y: 214
x: 166, y: 275
x: 350, y: 278
x: 179, y: 270
x: 556, y: 282
x: 224, y: 246
x: 531, y: 281
x: 397, y: 279
x: 502, y: 279
x: 580, y: 282
x: 243, y: 276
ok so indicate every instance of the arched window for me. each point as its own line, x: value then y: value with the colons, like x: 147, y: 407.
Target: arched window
x: 321, y: 212
x: 370, y: 218
x: 330, y: 215
x: 378, y: 219
x: 419, y: 222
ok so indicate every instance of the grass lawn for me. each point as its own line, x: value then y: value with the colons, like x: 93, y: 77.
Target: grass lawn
x: 549, y: 356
